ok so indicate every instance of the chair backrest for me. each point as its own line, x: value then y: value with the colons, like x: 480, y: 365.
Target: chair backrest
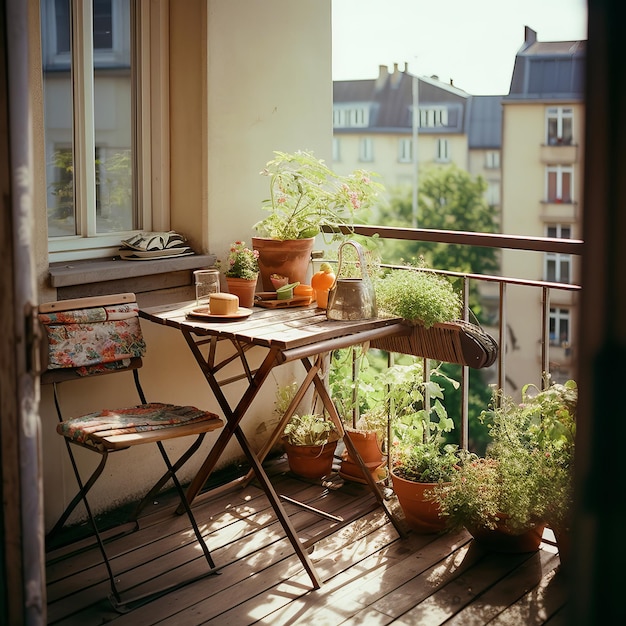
x: 90, y: 336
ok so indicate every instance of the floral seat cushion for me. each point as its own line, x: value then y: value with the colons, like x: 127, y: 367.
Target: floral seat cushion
x: 93, y: 428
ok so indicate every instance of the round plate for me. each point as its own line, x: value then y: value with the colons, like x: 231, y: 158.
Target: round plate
x: 205, y: 313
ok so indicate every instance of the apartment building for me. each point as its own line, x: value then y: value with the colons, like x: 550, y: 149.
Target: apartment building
x: 542, y: 176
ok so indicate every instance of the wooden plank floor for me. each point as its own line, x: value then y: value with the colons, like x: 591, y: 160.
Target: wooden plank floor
x: 371, y: 576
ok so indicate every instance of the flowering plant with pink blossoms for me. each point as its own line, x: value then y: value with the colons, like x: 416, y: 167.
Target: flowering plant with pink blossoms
x: 242, y: 261
x: 305, y: 194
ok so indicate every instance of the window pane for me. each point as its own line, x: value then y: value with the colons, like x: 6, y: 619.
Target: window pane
x: 102, y: 25
x: 58, y: 138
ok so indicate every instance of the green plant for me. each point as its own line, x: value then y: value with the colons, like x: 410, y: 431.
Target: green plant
x: 242, y: 261
x: 310, y: 429
x: 417, y: 295
x: 419, y: 424
x: 305, y: 194
x: 526, y: 476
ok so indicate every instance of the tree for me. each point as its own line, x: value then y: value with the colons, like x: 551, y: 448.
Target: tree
x: 448, y: 199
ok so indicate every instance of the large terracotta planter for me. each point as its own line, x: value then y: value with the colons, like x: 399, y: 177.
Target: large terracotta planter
x: 289, y: 258
x: 366, y: 444
x: 310, y: 461
x: 421, y: 514
x: 501, y: 539
x: 244, y: 289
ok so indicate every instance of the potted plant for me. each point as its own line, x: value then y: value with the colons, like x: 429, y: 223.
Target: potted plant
x: 242, y: 272
x: 305, y: 194
x: 421, y: 459
x: 431, y: 309
x: 310, y: 441
x: 525, y: 479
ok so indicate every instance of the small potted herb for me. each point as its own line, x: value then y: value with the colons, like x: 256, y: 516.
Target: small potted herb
x: 310, y: 441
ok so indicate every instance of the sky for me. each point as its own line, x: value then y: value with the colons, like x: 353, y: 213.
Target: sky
x: 472, y: 42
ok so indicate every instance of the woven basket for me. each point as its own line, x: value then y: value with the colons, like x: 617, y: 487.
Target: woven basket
x: 455, y: 342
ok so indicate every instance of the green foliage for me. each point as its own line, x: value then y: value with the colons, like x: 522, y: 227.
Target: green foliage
x: 527, y: 472
x: 417, y: 295
x: 449, y: 199
x: 414, y: 407
x: 306, y: 194
x: 242, y: 261
x: 310, y: 429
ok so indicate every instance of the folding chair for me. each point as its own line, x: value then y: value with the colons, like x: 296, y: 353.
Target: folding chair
x: 101, y: 335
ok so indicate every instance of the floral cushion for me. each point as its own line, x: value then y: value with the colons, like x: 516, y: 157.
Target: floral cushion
x: 145, y: 417
x: 93, y: 339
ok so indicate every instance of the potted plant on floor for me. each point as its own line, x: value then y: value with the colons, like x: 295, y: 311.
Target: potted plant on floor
x: 525, y: 479
x: 310, y: 441
x: 242, y: 272
x: 431, y: 310
x: 421, y: 459
x: 305, y: 194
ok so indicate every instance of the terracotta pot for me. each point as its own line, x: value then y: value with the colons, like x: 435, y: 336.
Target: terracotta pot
x: 501, y: 539
x: 244, y: 289
x: 289, y: 258
x: 310, y: 461
x: 421, y: 514
x: 366, y: 443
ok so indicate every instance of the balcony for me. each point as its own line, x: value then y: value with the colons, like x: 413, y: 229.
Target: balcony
x: 369, y: 573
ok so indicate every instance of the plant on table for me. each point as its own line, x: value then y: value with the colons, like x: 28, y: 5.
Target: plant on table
x: 305, y: 194
x: 242, y: 262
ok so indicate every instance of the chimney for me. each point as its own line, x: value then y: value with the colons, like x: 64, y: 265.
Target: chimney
x: 396, y: 76
x: 530, y: 36
x: 383, y: 74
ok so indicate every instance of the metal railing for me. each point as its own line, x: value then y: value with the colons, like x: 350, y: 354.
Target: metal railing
x: 572, y: 247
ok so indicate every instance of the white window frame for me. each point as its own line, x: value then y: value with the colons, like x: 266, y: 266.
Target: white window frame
x: 366, y: 149
x: 443, y: 150
x: 558, y: 260
x: 492, y: 159
x: 559, y: 316
x: 559, y: 114
x: 405, y: 150
x: 433, y: 117
x: 152, y: 214
x: 336, y: 149
x: 351, y: 116
x: 559, y: 171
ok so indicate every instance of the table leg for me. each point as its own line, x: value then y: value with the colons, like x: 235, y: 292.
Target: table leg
x: 334, y: 416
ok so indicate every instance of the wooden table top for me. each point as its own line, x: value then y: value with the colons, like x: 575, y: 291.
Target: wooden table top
x: 295, y: 332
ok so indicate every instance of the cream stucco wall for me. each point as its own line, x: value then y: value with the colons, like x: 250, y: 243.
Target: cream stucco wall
x: 526, y: 212
x: 245, y: 78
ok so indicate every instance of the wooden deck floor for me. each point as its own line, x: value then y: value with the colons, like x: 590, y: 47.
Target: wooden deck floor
x: 371, y: 576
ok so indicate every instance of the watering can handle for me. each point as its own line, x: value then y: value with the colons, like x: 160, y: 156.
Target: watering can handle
x: 359, y: 251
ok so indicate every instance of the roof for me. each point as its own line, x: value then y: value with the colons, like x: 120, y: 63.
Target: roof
x: 389, y: 99
x: 485, y: 122
x: 548, y: 69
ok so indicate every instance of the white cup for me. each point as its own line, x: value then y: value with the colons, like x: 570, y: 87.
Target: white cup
x: 207, y: 282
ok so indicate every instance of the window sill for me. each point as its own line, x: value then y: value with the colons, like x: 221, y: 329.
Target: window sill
x: 102, y: 276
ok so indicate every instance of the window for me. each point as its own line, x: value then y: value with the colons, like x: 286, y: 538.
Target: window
x: 443, y: 150
x: 558, y: 266
x: 433, y: 117
x: 559, y: 126
x: 89, y: 117
x: 405, y: 150
x: 350, y: 116
x: 559, y: 327
x: 336, y: 149
x: 492, y: 159
x: 559, y: 183
x: 366, y: 149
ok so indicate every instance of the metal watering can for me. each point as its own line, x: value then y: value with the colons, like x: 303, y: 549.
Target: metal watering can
x: 352, y: 298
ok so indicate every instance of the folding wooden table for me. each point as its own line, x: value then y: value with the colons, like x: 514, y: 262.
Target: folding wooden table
x: 296, y: 334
